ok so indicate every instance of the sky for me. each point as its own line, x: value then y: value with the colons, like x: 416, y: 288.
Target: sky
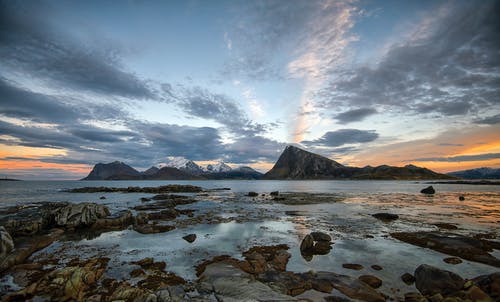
x: 361, y: 82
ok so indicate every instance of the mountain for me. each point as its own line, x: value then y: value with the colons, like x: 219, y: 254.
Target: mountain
x: 169, y: 173
x: 295, y: 163
x: 185, y: 165
x: 479, y: 173
x: 151, y: 171
x: 217, y: 168
x: 115, y: 171
x: 238, y: 173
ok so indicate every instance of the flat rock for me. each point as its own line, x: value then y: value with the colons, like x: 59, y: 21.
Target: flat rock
x: 79, y: 215
x: 452, y: 260
x: 371, y: 280
x: 351, y: 287
x: 353, y: 266
x: 386, y: 216
x: 152, y: 228
x: 472, y: 249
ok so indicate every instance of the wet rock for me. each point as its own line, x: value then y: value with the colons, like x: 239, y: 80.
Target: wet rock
x: 118, y: 221
x: 190, y: 238
x: 461, y: 198
x: 168, y: 214
x: 6, y: 243
x: 163, y: 204
x: 429, y: 190
x: 408, y: 278
x: 30, y: 220
x: 79, y: 215
x: 144, y: 199
x: 414, y: 297
x: 274, y: 193
x: 376, y: 267
x: 436, y: 298
x: 371, y: 280
x: 353, y: 266
x: 157, y: 281
x: 253, y: 194
x: 452, y: 244
x: 307, y: 243
x: 319, y: 236
x: 153, y: 228
x: 474, y: 293
x: 446, y: 226
x: 386, y: 216
x: 137, y: 273
x: 292, y: 284
x: 322, y: 248
x: 263, y: 258
x: 27, y: 248
x: 126, y: 292
x: 154, y: 190
x: 452, y: 260
x: 431, y: 280
x: 102, y: 197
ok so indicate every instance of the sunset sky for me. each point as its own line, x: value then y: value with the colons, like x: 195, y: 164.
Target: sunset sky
x: 361, y: 82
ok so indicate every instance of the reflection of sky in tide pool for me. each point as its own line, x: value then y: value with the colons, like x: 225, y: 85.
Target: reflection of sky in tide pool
x: 233, y: 238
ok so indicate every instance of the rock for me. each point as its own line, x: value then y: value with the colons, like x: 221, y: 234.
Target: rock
x: 436, y: 298
x: 353, y: 266
x: 253, y: 194
x: 351, y: 287
x: 371, y: 280
x: 321, y: 248
x: 102, y: 197
x: 386, y: 216
x: 414, y: 297
x: 190, y: 238
x: 446, y: 226
x: 153, y: 190
x: 118, y: 221
x: 6, y: 243
x: 30, y: 220
x: 376, y: 267
x: 431, y: 280
x: 152, y: 228
x: 274, y: 193
x: 429, y: 190
x: 157, y: 281
x: 453, y: 244
x: 490, y: 284
x: 319, y: 236
x: 461, y: 198
x: 452, y: 260
x: 474, y: 293
x: 137, y: 273
x: 126, y: 292
x: 233, y: 284
x: 144, y: 199
x: 168, y: 214
x: 306, y: 244
x: 408, y: 278
x: 79, y: 215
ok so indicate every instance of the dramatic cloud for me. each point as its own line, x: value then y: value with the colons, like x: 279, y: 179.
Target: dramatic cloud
x: 490, y: 120
x: 343, y: 137
x: 476, y: 157
x: 30, y: 45
x: 354, y: 115
x: 449, y: 66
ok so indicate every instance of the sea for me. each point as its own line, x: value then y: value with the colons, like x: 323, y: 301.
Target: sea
x: 241, y: 222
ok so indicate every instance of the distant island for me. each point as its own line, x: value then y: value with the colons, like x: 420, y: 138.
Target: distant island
x: 479, y: 173
x: 9, y: 179
x: 293, y: 164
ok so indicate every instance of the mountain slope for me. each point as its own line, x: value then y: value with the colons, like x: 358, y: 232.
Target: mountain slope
x: 295, y: 163
x: 185, y: 165
x: 237, y: 173
x: 479, y: 173
x: 169, y: 173
x: 115, y: 170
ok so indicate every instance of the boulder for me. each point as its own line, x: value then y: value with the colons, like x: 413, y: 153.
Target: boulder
x: 253, y: 194
x: 490, y: 284
x: 408, y: 278
x: 6, y: 243
x: 319, y: 236
x: 430, y: 280
x: 190, y: 238
x: 79, y: 215
x: 461, y: 198
x: 307, y: 244
x: 274, y: 193
x: 429, y: 190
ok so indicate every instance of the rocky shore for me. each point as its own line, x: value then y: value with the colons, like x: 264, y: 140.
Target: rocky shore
x: 258, y: 273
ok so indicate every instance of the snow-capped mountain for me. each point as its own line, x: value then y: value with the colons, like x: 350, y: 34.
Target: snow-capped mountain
x: 183, y: 164
x: 217, y: 168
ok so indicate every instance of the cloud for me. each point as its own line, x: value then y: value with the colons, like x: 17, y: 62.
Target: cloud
x: 354, y: 115
x: 489, y: 120
x: 31, y: 46
x: 343, y: 137
x: 448, y: 66
x: 461, y: 158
